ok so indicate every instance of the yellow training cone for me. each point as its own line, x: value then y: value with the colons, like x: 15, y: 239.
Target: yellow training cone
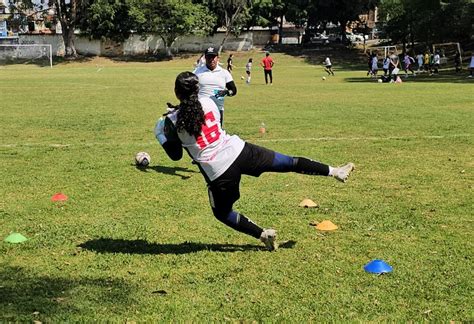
x: 308, y: 203
x: 326, y: 225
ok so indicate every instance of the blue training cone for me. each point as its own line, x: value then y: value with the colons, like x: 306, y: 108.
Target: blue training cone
x: 378, y: 267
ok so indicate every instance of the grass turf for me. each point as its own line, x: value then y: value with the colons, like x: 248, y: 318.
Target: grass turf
x: 142, y: 245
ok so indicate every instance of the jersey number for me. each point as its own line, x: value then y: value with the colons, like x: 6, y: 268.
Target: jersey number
x: 209, y: 134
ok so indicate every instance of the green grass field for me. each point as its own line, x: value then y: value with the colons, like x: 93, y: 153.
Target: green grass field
x: 135, y: 245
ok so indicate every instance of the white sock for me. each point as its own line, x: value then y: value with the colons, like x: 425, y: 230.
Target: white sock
x: 332, y: 171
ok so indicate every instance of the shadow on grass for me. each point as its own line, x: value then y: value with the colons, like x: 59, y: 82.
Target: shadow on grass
x: 423, y: 78
x: 27, y: 297
x: 148, y: 58
x: 167, y: 170
x: 107, y: 245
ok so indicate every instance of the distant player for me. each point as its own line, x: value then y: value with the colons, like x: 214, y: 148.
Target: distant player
x: 471, y: 66
x: 230, y: 65
x: 248, y: 70
x: 408, y: 62
x: 267, y: 64
x: 436, y: 62
x: 386, y: 65
x: 457, y: 62
x: 375, y: 65
x: 328, y: 66
x: 223, y: 159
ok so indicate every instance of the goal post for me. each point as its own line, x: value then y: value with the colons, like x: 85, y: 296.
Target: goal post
x: 27, y: 53
x: 385, y: 50
x: 448, y: 52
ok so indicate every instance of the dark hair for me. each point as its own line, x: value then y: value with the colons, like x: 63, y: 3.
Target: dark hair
x: 190, y: 117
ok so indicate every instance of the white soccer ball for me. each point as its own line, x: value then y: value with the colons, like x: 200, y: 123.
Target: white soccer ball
x: 142, y: 159
x: 324, y: 78
x: 242, y: 77
x: 379, y: 81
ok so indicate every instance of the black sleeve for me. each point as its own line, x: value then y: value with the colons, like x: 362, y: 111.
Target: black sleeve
x: 231, y: 87
x: 174, y: 150
x: 173, y: 145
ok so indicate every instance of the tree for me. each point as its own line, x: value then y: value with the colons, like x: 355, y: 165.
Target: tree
x: 110, y: 19
x: 338, y: 11
x: 232, y: 15
x: 68, y: 14
x: 24, y: 11
x: 171, y: 19
x: 427, y: 20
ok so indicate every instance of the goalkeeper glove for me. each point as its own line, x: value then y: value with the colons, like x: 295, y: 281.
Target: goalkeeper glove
x: 222, y: 93
x: 160, y: 131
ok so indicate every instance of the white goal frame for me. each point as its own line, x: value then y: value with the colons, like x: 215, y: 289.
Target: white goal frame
x: 16, y: 50
x: 385, y: 49
x: 455, y: 45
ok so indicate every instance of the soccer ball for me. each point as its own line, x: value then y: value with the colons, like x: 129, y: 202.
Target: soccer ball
x: 142, y: 159
x: 324, y: 78
x: 379, y: 81
x: 242, y: 77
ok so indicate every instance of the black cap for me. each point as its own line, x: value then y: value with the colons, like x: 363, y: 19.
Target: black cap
x: 211, y: 51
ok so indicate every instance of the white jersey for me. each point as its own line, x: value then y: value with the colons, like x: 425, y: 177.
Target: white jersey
x: 419, y: 57
x: 248, y: 67
x: 327, y: 61
x: 375, y: 63
x: 212, y: 81
x: 214, y: 149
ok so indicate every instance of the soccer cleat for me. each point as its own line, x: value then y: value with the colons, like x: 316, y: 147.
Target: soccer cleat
x: 342, y: 173
x: 268, y: 237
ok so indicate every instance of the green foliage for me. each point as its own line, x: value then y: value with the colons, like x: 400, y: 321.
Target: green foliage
x: 426, y: 20
x: 108, y: 19
x: 142, y: 245
x: 171, y: 19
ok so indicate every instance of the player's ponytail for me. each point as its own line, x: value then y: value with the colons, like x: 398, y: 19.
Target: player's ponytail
x: 190, y: 117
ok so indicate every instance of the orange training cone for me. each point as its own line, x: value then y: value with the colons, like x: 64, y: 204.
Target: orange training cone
x: 326, y: 225
x: 308, y: 203
x: 59, y: 197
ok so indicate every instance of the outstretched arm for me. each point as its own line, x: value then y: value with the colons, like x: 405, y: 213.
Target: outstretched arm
x: 165, y: 133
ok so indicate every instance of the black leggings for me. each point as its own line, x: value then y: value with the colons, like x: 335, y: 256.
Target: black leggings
x: 253, y: 160
x: 267, y: 74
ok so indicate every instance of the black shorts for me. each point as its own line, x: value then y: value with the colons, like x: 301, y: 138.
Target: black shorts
x: 224, y: 191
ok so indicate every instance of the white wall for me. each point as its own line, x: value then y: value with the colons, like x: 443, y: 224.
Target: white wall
x: 135, y: 45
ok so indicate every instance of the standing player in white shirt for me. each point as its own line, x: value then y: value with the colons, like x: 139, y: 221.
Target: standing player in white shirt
x: 214, y: 81
x: 248, y: 70
x: 328, y: 66
x: 223, y: 158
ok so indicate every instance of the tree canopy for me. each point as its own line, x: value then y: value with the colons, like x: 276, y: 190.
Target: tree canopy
x: 403, y: 20
x: 427, y: 21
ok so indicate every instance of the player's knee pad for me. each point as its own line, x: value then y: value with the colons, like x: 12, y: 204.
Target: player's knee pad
x: 283, y: 163
x: 231, y: 218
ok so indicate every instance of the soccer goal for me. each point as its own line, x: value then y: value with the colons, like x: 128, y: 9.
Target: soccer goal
x: 385, y: 50
x: 27, y: 53
x: 448, y: 52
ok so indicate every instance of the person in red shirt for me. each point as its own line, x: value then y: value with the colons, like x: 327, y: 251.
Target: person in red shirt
x: 267, y: 64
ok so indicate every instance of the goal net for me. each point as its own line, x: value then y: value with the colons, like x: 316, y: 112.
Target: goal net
x: 41, y: 54
x: 448, y: 52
